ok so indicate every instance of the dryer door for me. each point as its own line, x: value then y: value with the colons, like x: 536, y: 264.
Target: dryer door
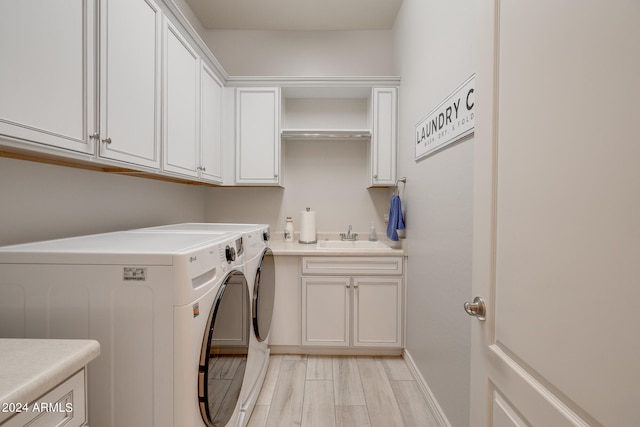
x: 223, y: 357
x: 264, y: 291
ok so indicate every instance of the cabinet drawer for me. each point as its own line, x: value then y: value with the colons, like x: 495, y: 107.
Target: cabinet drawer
x: 63, y: 405
x: 352, y: 265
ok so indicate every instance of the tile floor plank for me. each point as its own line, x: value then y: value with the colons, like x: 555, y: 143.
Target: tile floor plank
x: 352, y: 416
x: 381, y: 402
x: 347, y: 384
x: 270, y: 380
x: 319, y: 368
x: 318, y: 408
x: 396, y: 368
x: 413, y: 407
x: 286, y: 405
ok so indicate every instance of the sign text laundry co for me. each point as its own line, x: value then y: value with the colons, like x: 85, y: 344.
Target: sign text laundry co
x: 451, y: 120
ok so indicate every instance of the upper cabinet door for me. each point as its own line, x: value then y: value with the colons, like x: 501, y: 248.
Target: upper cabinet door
x: 384, y: 136
x: 130, y: 81
x: 258, y: 136
x: 210, y: 126
x: 47, y: 83
x: 181, y: 105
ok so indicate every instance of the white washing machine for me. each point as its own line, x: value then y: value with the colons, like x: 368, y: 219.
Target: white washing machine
x: 171, y: 312
x: 260, y: 274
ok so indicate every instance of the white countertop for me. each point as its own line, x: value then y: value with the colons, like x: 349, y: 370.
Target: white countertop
x: 31, y: 367
x: 295, y: 248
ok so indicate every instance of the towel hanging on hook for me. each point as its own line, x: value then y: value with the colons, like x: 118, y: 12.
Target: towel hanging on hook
x: 396, y: 221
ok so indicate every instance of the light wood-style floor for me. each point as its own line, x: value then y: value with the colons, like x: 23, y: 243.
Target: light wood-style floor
x: 340, y: 391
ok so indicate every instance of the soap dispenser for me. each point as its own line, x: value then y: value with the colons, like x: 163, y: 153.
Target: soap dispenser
x: 373, y: 235
x: 288, y: 230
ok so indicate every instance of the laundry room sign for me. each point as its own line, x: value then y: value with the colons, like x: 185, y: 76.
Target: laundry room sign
x: 451, y: 120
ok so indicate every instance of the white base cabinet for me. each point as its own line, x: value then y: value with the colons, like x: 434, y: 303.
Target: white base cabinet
x: 65, y: 404
x: 285, y: 324
x: 352, y: 311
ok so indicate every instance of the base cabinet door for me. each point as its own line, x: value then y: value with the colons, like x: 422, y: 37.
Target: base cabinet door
x: 377, y: 311
x: 326, y: 311
x: 47, y: 73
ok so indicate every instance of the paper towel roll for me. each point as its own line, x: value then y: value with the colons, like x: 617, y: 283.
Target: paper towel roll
x: 308, y: 226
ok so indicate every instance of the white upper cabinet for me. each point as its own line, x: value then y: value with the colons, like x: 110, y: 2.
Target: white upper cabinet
x: 47, y: 72
x: 130, y: 74
x: 384, y: 117
x: 258, y: 136
x: 210, y: 126
x: 181, y: 139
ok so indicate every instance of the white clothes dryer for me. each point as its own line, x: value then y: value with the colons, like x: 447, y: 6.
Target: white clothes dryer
x: 171, y: 313
x: 261, y: 280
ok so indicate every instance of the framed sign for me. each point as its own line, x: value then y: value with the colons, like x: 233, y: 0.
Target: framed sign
x: 451, y: 120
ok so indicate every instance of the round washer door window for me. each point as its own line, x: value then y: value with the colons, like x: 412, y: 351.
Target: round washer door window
x: 223, y: 357
x: 264, y: 292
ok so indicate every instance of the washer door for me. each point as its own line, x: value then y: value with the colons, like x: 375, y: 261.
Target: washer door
x: 264, y: 292
x: 223, y: 357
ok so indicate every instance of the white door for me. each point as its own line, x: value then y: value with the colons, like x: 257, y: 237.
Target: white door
x: 557, y: 215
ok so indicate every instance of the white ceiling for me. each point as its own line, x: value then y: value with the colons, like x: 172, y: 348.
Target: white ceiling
x: 296, y: 14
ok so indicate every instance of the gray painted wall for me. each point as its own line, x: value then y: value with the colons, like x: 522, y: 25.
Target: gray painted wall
x: 434, y: 53
x: 41, y: 201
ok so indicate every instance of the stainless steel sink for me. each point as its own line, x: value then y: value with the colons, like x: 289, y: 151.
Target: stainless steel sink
x: 352, y: 245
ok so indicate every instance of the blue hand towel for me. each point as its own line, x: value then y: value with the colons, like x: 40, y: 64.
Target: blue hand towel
x: 395, y: 218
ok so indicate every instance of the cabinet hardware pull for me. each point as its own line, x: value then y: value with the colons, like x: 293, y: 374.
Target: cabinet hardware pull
x: 107, y: 140
x: 94, y: 135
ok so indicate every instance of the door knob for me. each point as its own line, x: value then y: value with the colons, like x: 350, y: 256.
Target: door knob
x: 475, y: 308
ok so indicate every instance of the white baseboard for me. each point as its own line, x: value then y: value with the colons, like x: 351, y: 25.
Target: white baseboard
x: 436, y: 410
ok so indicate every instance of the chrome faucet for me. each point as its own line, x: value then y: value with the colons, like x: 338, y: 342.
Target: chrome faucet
x: 348, y: 235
